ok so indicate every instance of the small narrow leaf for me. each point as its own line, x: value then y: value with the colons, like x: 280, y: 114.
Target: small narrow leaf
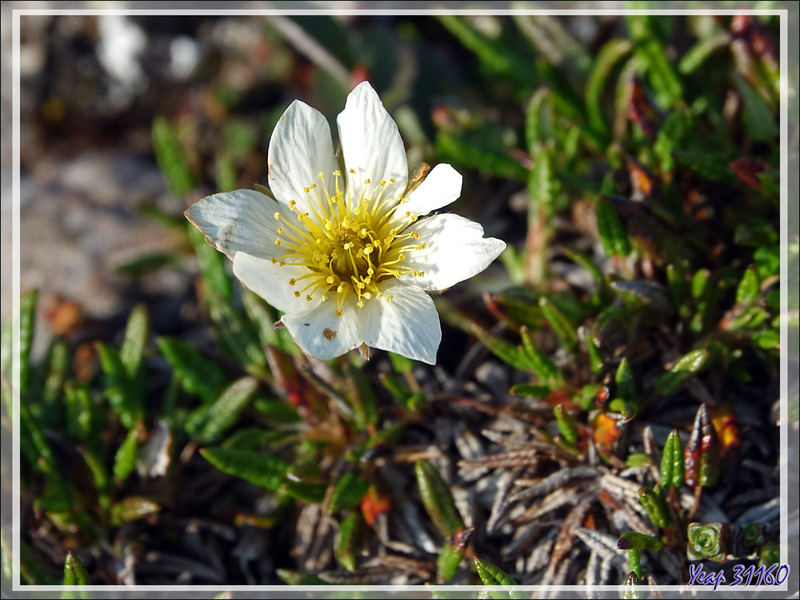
x: 633, y: 540
x: 224, y: 413
x: 502, y: 349
x: 608, y: 57
x: 125, y: 458
x: 538, y: 361
x: 27, y: 322
x: 256, y: 467
x: 758, y: 118
x: 626, y: 386
x: 120, y: 389
x: 197, y: 374
x: 672, y: 463
x: 566, y: 425
x: 132, y: 509
x: 349, y: 540
x: 136, y: 332
x: 437, y: 499
x: 685, y: 368
x: 493, y: 575
x: 452, y: 553
x: 74, y: 571
x: 563, y: 328
x: 348, y: 492
x: 610, y: 228
x: 748, y: 289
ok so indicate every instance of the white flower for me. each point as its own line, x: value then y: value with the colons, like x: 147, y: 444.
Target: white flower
x: 348, y: 257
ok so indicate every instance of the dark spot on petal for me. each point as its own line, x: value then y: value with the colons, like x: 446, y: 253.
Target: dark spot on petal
x: 306, y: 324
x: 328, y: 334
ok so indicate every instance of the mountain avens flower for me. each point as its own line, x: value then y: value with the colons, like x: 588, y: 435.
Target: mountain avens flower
x: 348, y: 253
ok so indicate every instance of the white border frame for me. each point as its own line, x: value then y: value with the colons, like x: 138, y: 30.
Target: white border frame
x: 415, y: 590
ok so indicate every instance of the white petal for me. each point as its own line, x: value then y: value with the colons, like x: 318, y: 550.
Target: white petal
x: 441, y: 187
x: 371, y: 145
x: 271, y: 282
x: 408, y: 325
x: 455, y: 250
x: 321, y: 333
x: 299, y: 150
x: 243, y: 220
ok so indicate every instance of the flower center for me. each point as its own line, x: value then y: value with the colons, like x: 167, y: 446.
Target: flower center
x: 350, y: 247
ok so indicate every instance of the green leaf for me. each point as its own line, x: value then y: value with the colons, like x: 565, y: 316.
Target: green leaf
x: 676, y: 286
x: 237, y: 333
x: 58, y: 360
x: 400, y: 363
x: 492, y: 575
x: 295, y: 578
x: 263, y: 318
x: 563, y: 328
x: 612, y: 232
x: 33, y: 443
x: 530, y: 391
x: 349, y: 541
x: 27, y: 323
x: 363, y: 398
x: 758, y: 118
x: 170, y: 157
x: 310, y: 493
x: 252, y: 438
x: 609, y: 56
x: 634, y: 564
x: 655, y: 506
x: 638, y: 459
x: 347, y: 493
x: 437, y: 499
x: 6, y: 339
x: 277, y: 409
x: 74, y: 571
x: 451, y: 554
x: 626, y: 385
x: 197, y: 375
x: 651, y: 51
x: 670, y: 136
x: 80, y: 413
x: 672, y: 463
x: 121, y: 390
x: 583, y: 260
x: 769, y: 339
x: 755, y: 233
x: 709, y: 164
x: 633, y: 540
x: 212, y: 266
x: 224, y: 412
x: 502, y: 349
x: 566, y: 425
x: 137, y: 330
x: 258, y: 468
x: 686, y: 367
x: 125, y: 458
x: 748, y: 289
x: 701, y: 51
x: 132, y: 508
x: 447, y: 562
x: 538, y: 119
x: 538, y: 361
